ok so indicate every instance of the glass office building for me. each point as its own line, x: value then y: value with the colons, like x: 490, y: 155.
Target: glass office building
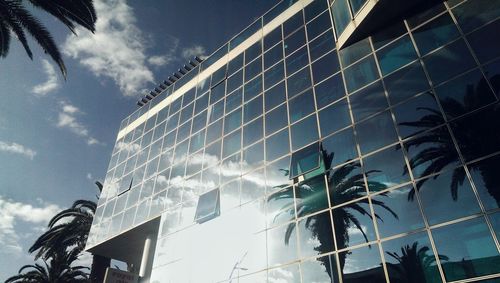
x: 330, y: 141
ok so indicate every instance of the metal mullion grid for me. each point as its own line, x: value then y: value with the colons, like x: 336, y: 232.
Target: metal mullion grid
x: 462, y: 163
x: 462, y: 159
x: 407, y: 162
x: 317, y: 15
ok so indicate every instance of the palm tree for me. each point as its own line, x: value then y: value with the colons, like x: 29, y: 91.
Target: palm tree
x: 344, y: 186
x: 69, y: 229
x: 15, y: 18
x: 413, y: 263
x: 57, y: 270
x: 474, y: 135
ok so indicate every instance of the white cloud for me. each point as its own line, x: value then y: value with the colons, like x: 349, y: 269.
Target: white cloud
x: 116, y: 50
x: 195, y: 50
x: 17, y: 149
x: 159, y: 60
x: 89, y: 176
x: 67, y: 119
x: 51, y: 84
x: 12, y: 213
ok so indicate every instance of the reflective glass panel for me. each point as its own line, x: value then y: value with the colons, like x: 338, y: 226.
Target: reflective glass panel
x: 272, y: 56
x: 325, y: 67
x: 471, y: 253
x: 294, y: 41
x: 334, y: 117
x: 321, y: 269
x: 301, y: 106
x: 376, y: 132
x: 315, y: 235
x: 232, y: 121
x: 339, y: 148
x: 399, y: 215
x: 473, y: 14
x: 360, y: 74
x: 318, y: 26
x: 276, y: 119
x: 298, y: 82
x: 274, y: 75
x: 454, y: 193
x: 396, y: 54
x: 362, y: 265
x: 385, y: 169
x: 406, y: 82
x: 281, y: 245
x: 277, y: 145
x: 436, y: 33
x: 311, y: 197
x: 484, y: 48
x: 297, y: 61
x: 341, y: 15
x: 304, y: 132
x: 252, y: 109
x: 484, y: 174
x: 329, y: 90
x: 321, y: 45
x: 353, y: 224
x: 368, y: 101
x: 305, y: 160
x: 232, y: 143
x: 252, y: 132
x: 340, y: 189
x: 411, y: 259
x: 275, y: 96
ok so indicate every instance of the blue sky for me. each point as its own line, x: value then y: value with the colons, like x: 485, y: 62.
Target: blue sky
x: 56, y: 136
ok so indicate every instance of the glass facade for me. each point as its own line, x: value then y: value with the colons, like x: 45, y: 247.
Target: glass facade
x: 373, y: 163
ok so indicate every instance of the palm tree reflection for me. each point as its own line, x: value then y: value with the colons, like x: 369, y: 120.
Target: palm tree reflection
x: 344, y: 185
x: 412, y: 264
x: 475, y: 135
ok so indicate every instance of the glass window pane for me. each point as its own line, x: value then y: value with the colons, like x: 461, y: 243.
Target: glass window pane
x: 252, y: 132
x: 334, y: 117
x: 385, y: 169
x: 297, y: 61
x: 295, y: 41
x: 485, y: 48
x: 356, y: 5
x: 368, y: 101
x: 253, y: 68
x: 321, y: 45
x: 484, y: 175
x: 396, y: 55
x: 234, y: 82
x: 289, y: 273
x: 318, y: 26
x: 341, y: 15
x: 477, y: 135
x: 281, y: 245
x: 252, y: 109
x: 342, y: 191
x: 339, y: 148
x: 322, y: 269
x: 304, y: 132
x: 315, y: 232
x: 274, y: 55
x: 406, y: 82
x: 232, y: 121
x: 272, y: 38
x: 388, y: 34
x: 311, y: 197
x: 314, y: 9
x: 449, y: 61
x: 436, y: 141
x: 293, y: 23
x: 273, y: 75
x: 232, y: 143
x: 301, y: 106
x: 415, y: 113
x: 276, y: 119
x: 348, y: 232
x: 471, y: 253
x: 235, y: 64
x: 436, y: 33
x: 464, y: 94
x: 454, y: 193
x: 217, y: 92
x: 234, y: 100
x: 305, y: 160
x: 214, y: 131
x: 325, y: 67
x: 361, y: 74
x: 411, y: 259
x: 354, y: 52
x: 277, y: 145
x: 362, y: 265
x: 275, y: 96
x: 253, y: 157
x: 299, y: 82
x: 473, y: 14
x: 253, y: 51
x: 400, y: 214
x: 253, y: 88
x: 376, y: 132
x: 329, y: 91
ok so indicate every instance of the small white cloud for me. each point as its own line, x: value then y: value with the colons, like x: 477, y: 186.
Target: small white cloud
x: 15, y: 212
x: 196, y: 50
x: 51, y: 84
x: 17, y: 149
x: 159, y: 60
x: 67, y: 120
x: 89, y: 176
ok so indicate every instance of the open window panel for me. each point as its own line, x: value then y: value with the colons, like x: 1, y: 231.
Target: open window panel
x: 307, y: 163
x: 208, y: 206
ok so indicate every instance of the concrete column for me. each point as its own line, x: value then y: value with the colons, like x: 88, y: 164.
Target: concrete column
x: 145, y: 256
